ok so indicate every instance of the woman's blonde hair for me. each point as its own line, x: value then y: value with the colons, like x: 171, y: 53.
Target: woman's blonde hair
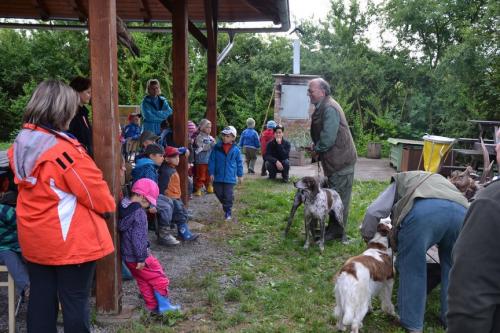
x: 152, y: 82
x: 53, y: 104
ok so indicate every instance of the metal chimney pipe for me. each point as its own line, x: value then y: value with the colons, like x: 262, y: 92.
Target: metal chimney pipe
x: 296, y: 56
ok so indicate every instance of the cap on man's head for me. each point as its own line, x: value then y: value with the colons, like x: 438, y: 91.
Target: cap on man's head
x: 279, y: 127
x: 171, y: 151
x: 153, y: 148
x: 271, y: 124
x: 148, y: 135
x: 230, y: 130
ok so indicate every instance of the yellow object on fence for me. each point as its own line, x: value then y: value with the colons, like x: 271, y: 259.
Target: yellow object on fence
x: 435, y: 150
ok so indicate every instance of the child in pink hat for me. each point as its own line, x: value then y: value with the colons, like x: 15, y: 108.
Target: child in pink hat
x: 134, y: 246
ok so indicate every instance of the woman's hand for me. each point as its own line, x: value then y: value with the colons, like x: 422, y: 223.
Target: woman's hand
x: 140, y: 265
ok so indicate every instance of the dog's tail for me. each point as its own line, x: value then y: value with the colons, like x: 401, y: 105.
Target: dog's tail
x: 349, y: 298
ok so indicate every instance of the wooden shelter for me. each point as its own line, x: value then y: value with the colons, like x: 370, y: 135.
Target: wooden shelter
x: 185, y: 16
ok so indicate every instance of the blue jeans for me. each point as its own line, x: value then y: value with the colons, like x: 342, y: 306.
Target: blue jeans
x: 16, y: 268
x: 429, y: 222
x: 225, y: 193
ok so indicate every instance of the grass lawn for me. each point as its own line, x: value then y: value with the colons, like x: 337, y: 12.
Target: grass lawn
x: 276, y: 285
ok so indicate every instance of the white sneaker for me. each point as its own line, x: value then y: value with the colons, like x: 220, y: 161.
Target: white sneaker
x: 168, y: 240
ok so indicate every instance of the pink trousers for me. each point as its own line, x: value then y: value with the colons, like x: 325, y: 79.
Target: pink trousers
x: 150, y: 278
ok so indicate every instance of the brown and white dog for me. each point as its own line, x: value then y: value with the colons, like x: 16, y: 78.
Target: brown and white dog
x: 318, y: 204
x: 362, y: 277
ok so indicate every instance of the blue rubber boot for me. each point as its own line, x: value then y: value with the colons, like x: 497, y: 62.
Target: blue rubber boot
x: 164, y: 304
x: 184, y: 232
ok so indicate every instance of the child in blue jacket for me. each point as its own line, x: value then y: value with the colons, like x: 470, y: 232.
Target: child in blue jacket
x: 225, y: 169
x: 249, y: 141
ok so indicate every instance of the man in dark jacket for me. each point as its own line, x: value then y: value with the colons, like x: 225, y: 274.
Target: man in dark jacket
x: 277, y: 154
x: 334, y: 146
x: 474, y: 290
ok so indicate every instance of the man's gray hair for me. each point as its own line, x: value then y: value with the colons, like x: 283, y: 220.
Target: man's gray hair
x: 53, y: 104
x: 325, y: 86
x: 152, y: 82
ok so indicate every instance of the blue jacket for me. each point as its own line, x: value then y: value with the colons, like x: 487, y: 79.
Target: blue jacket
x: 145, y: 168
x: 250, y: 138
x: 132, y: 131
x: 225, y: 168
x: 154, y: 110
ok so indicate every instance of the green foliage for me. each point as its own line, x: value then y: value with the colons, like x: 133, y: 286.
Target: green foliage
x: 442, y: 70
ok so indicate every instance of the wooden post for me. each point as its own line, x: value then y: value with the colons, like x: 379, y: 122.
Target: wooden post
x: 180, y: 85
x: 211, y: 23
x: 103, y: 63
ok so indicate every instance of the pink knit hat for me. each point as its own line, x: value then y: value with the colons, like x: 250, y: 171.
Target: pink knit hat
x: 191, y: 127
x: 147, y: 188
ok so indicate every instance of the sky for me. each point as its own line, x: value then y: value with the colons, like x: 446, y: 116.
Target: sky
x: 318, y: 9
x: 302, y: 9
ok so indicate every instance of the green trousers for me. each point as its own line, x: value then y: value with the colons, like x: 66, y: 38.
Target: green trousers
x: 342, y: 183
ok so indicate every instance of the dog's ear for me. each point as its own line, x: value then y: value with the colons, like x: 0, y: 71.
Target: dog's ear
x: 383, y: 229
x: 323, y: 182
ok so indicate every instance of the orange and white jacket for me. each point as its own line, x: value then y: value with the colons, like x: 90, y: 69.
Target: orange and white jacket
x: 62, y: 199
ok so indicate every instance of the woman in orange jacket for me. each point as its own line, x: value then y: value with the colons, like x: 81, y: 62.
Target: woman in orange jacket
x: 60, y: 208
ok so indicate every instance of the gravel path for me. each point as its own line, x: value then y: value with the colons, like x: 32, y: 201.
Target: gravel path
x: 183, y: 264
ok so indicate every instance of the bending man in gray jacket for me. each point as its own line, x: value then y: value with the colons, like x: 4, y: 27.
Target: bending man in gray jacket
x: 426, y: 209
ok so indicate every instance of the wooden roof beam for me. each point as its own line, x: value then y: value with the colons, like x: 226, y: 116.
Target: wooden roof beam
x: 195, y: 32
x: 79, y: 9
x: 266, y: 7
x: 42, y: 9
x: 144, y: 7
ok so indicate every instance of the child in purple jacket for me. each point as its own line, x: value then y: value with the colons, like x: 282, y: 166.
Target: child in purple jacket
x: 134, y: 246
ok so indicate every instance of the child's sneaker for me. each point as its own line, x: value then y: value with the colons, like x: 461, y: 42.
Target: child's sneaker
x: 227, y: 215
x: 198, y: 193
x: 210, y: 189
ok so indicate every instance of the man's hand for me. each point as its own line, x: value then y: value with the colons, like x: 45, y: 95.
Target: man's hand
x: 279, y: 166
x: 240, y: 180
x: 212, y: 179
x: 279, y: 140
x: 140, y: 265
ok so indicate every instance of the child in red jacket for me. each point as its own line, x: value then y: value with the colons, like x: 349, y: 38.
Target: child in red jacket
x: 265, y: 137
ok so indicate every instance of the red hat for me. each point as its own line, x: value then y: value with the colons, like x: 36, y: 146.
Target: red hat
x: 171, y: 151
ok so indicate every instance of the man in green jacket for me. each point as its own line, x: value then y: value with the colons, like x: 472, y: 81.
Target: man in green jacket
x: 334, y: 146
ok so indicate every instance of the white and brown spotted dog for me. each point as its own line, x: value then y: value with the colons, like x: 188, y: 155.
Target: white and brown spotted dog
x: 363, y: 277
x: 318, y: 204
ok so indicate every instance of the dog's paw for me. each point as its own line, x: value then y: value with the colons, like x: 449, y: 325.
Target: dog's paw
x: 340, y: 327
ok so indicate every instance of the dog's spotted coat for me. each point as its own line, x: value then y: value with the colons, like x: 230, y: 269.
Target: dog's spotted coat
x: 318, y: 203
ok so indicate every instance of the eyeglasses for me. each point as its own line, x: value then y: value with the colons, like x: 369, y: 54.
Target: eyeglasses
x: 227, y: 135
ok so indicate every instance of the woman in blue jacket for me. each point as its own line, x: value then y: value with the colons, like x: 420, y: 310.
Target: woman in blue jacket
x: 226, y: 169
x: 154, y: 108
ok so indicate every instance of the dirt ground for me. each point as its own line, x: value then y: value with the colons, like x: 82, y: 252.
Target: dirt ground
x: 189, y: 263
x: 185, y: 265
